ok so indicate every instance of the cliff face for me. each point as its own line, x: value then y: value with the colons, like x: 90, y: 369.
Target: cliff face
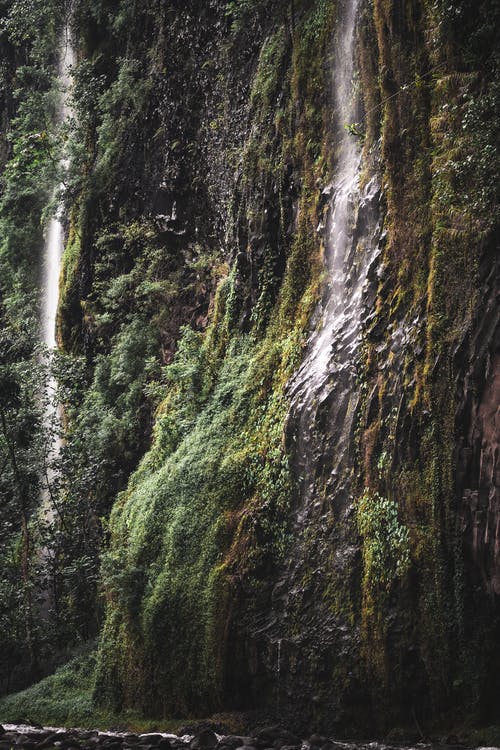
x: 327, y: 547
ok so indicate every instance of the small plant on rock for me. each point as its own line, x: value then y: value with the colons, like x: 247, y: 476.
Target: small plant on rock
x: 386, y: 541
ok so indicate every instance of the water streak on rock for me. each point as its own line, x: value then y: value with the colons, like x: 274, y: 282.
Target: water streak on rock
x: 324, y: 391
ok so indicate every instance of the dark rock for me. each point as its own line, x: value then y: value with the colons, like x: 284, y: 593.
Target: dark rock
x: 268, y: 735
x: 234, y: 741
x: 286, y: 739
x: 326, y: 194
x: 48, y: 741
x: 151, y: 738
x: 42, y: 735
x: 277, y: 737
x: 205, y: 740
x: 112, y: 745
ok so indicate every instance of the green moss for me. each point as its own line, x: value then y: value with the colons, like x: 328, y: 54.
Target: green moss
x: 65, y: 699
x: 198, y: 510
x: 62, y: 699
x: 434, y: 243
x: 386, y: 541
x: 69, y: 309
x: 209, y: 504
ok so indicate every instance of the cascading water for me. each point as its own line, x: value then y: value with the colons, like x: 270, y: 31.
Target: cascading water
x: 54, y: 241
x: 324, y: 393
x: 53, y: 249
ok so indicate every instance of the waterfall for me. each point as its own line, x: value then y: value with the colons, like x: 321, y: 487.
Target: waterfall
x: 52, y: 254
x: 324, y: 391
x: 325, y: 394
x: 54, y: 241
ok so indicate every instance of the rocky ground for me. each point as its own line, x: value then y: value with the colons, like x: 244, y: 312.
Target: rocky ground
x: 30, y: 737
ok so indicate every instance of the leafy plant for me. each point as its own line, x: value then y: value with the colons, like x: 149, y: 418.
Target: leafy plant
x: 386, y: 541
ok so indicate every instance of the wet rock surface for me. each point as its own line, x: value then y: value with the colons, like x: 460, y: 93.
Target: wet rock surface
x: 34, y: 737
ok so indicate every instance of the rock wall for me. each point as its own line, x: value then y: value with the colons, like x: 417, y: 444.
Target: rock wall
x: 212, y: 151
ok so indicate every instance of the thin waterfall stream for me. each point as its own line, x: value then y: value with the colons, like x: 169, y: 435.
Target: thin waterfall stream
x: 54, y: 242
x: 325, y: 389
x: 51, y: 266
x: 325, y: 394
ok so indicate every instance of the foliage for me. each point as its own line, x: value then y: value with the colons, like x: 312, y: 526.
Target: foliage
x: 386, y: 541
x: 22, y: 455
x: 65, y: 699
x: 170, y: 529
x: 29, y: 152
x: 244, y: 15
x: 59, y: 700
x: 209, y: 504
x: 175, y: 393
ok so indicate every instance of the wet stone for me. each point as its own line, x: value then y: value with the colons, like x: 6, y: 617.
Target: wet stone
x: 150, y: 738
x: 47, y: 741
x: 286, y: 739
x: 267, y: 736
x: 235, y: 741
x: 205, y: 740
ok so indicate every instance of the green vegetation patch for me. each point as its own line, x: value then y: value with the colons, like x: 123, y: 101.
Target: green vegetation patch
x: 63, y: 699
